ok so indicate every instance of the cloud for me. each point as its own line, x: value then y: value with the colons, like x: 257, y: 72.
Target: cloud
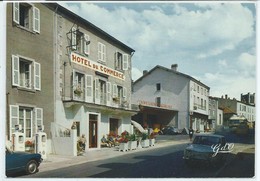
x: 201, y: 37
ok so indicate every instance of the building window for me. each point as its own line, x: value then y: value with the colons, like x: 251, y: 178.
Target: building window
x: 80, y: 41
x: 201, y: 91
x: 101, y: 52
x: 121, y: 61
x: 26, y: 16
x: 198, y: 88
x: 158, y: 86
x: 22, y: 74
x: 78, y: 85
x: 24, y: 116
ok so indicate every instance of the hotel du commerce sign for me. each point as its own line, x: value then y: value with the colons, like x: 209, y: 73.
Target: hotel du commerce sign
x: 83, y: 61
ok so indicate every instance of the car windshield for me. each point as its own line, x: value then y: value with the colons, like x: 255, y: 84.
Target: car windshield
x: 206, y: 140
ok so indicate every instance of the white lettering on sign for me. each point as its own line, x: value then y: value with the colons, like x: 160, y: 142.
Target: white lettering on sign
x: 83, y: 61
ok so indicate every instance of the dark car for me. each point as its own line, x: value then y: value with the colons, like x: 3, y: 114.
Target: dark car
x: 207, y: 148
x: 170, y: 130
x: 18, y: 162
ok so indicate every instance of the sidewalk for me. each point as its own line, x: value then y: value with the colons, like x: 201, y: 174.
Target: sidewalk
x: 60, y: 161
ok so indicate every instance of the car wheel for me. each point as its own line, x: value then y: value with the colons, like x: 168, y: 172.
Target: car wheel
x: 32, y: 167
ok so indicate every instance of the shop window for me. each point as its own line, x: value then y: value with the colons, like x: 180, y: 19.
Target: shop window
x: 113, y: 126
x: 26, y: 16
x: 22, y: 74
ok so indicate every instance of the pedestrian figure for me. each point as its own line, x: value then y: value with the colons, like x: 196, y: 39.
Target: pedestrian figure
x: 191, y: 131
x: 82, y: 142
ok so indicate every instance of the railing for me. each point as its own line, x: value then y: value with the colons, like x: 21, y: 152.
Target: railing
x: 60, y: 131
x: 198, y: 106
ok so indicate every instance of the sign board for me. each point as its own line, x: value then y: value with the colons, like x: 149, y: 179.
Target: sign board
x: 85, y: 62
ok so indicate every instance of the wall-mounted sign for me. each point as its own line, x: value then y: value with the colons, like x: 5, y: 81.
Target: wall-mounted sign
x: 83, y: 61
x: 153, y: 104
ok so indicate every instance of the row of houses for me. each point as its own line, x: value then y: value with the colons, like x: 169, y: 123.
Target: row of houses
x: 63, y: 71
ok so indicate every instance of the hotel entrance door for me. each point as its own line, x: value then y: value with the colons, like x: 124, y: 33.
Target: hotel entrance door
x: 93, y: 128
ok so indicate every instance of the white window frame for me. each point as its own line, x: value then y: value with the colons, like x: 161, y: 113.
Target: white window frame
x: 38, y: 117
x: 16, y: 12
x: 101, y: 52
x: 14, y: 118
x: 34, y: 75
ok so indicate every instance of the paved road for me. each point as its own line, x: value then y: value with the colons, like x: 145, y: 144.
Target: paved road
x: 164, y: 162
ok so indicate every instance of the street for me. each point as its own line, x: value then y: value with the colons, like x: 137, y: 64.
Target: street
x: 164, y: 162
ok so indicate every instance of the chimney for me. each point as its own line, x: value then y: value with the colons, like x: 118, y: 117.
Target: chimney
x: 145, y: 72
x: 174, y: 67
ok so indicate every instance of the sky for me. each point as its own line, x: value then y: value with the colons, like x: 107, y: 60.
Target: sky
x: 213, y: 42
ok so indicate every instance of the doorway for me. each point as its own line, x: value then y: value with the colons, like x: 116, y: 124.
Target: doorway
x: 93, y: 130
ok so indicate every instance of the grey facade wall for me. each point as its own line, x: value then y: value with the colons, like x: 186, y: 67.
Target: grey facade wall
x: 40, y: 48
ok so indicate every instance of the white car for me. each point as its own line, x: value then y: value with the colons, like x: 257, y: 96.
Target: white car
x: 207, y: 148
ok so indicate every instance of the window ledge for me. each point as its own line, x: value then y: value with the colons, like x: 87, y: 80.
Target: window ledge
x: 26, y: 89
x: 26, y: 29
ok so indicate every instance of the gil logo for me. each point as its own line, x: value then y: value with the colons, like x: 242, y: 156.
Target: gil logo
x: 219, y: 148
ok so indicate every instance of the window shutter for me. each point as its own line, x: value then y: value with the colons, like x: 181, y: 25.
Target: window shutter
x: 36, y: 20
x: 14, y: 118
x: 74, y: 80
x: 15, y: 71
x: 116, y: 60
x: 73, y: 38
x: 89, y: 88
x: 114, y: 90
x: 104, y: 53
x: 124, y: 92
x: 86, y: 47
x: 37, y: 76
x: 16, y: 12
x: 125, y: 62
x: 99, y: 52
x: 108, y: 94
x: 97, y: 96
x: 38, y: 117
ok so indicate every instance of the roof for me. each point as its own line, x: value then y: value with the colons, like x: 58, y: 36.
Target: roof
x: 171, y: 71
x: 58, y: 8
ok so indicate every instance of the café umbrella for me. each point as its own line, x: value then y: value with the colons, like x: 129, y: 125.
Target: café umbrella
x: 138, y: 126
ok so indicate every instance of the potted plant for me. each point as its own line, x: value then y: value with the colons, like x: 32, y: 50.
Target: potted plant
x: 116, y: 99
x: 152, y: 139
x: 78, y: 91
x: 145, y: 140
x: 123, y: 141
x: 29, y: 146
x: 132, y: 144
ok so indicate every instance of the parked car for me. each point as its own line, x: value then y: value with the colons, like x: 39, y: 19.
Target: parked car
x: 242, y: 129
x: 170, y: 130
x: 17, y: 162
x: 204, y: 149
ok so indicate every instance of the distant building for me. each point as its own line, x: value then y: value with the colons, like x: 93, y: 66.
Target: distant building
x: 215, y: 114
x: 233, y: 106
x: 168, y: 97
x: 248, y: 98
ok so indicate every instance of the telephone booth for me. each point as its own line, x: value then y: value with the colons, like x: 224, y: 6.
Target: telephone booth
x: 41, y: 143
x: 18, y: 139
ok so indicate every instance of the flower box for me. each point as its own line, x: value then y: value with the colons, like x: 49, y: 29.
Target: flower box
x: 132, y: 145
x: 123, y: 147
x: 145, y: 143
x: 151, y: 142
